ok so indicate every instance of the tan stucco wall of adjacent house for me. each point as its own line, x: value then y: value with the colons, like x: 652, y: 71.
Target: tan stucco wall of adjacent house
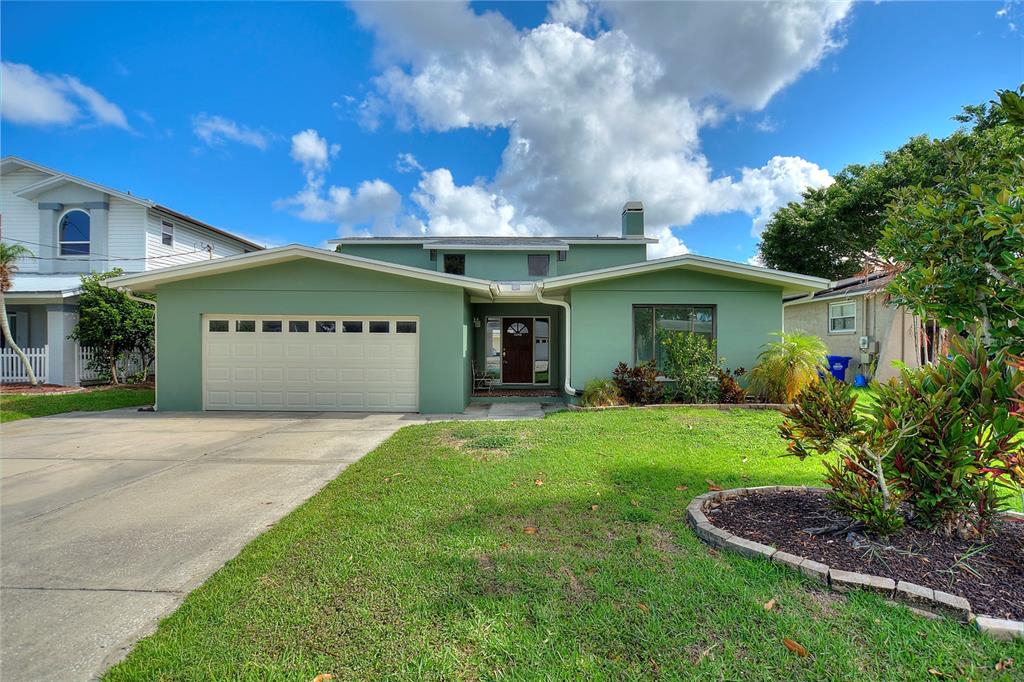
x: 875, y: 319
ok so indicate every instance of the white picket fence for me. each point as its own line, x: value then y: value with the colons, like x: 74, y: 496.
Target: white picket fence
x: 127, y: 366
x: 12, y: 371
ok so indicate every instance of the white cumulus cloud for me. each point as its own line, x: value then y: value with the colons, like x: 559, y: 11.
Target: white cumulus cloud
x: 216, y: 130
x: 602, y: 104
x: 46, y: 99
x: 374, y: 204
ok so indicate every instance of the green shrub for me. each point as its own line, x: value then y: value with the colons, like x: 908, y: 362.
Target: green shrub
x: 787, y: 366
x: 729, y: 390
x: 638, y: 385
x: 691, y: 361
x: 601, y: 393
x: 824, y: 420
x: 964, y: 435
x: 940, y: 439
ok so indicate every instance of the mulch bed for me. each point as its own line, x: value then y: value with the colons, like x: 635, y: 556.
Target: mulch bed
x: 28, y: 389
x: 992, y: 578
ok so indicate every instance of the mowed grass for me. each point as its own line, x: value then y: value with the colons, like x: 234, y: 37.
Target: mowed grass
x: 14, y: 407
x: 421, y: 562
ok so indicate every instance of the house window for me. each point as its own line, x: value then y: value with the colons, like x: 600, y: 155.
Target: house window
x: 455, y: 263
x: 166, y: 233
x: 74, y: 233
x: 648, y: 320
x: 538, y: 264
x: 562, y: 256
x: 492, y: 348
x: 541, y: 350
x: 842, y: 318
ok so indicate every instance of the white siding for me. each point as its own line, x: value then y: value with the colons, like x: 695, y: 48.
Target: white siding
x: 190, y: 244
x: 21, y: 216
x: 126, y: 235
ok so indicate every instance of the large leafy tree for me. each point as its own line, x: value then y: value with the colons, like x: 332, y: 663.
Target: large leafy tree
x: 9, y: 255
x: 833, y: 231
x: 112, y: 324
x: 958, y: 244
x: 830, y: 231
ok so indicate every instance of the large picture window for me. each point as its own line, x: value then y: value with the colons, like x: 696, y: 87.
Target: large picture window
x: 648, y: 319
x: 455, y: 263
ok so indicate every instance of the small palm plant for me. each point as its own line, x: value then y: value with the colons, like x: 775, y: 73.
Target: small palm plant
x: 787, y: 366
x: 9, y: 255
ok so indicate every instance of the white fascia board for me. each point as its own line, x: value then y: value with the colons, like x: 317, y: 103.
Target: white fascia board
x: 834, y: 297
x: 612, y: 242
x: 32, y: 191
x: 376, y: 241
x: 455, y: 246
x: 146, y: 281
x: 790, y: 281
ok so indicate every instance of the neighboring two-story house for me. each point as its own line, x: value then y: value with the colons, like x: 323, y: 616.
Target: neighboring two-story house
x: 73, y: 226
x: 406, y: 324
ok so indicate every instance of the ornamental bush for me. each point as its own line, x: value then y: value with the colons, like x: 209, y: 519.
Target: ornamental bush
x: 638, y: 385
x: 939, y: 439
x: 601, y: 393
x: 692, y: 362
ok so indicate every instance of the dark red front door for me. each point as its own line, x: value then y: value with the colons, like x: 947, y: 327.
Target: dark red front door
x: 517, y: 350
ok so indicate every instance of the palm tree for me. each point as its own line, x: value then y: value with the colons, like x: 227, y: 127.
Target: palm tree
x: 787, y: 366
x: 9, y: 255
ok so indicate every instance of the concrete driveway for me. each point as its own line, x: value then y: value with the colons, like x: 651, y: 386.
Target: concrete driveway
x: 109, y: 519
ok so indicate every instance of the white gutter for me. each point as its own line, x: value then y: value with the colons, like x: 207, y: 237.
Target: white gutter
x: 128, y: 292
x: 568, y: 338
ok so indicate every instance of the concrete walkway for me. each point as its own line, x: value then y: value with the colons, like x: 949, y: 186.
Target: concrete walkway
x: 108, y: 519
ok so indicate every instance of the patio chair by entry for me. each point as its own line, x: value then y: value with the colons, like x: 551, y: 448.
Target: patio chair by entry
x: 481, y: 381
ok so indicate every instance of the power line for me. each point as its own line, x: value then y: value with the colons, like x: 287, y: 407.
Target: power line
x: 102, y: 256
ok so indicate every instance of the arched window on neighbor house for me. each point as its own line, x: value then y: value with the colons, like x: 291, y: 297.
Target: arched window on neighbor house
x: 74, y: 233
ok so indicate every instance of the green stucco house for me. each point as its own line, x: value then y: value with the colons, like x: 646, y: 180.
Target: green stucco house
x: 413, y: 324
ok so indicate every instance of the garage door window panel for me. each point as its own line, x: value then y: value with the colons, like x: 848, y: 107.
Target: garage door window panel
x: 352, y: 326
x: 271, y: 326
x: 380, y: 327
x: 326, y: 326
x: 298, y: 326
x: 219, y: 326
x: 404, y: 327
x: 245, y: 325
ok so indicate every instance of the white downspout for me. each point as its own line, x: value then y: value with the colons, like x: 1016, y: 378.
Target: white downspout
x: 156, y: 355
x: 568, y: 338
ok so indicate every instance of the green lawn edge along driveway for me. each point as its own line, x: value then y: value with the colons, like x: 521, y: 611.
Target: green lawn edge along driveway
x: 553, y: 549
x: 25, y: 406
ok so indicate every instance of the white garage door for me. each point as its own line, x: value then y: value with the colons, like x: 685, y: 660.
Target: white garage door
x: 310, y: 363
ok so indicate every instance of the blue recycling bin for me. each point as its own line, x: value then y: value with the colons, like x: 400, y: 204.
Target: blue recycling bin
x: 837, y: 365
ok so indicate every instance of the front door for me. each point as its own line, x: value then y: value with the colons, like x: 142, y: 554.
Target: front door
x: 517, y: 350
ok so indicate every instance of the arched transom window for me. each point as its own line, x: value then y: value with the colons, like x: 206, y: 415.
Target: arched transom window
x: 74, y: 233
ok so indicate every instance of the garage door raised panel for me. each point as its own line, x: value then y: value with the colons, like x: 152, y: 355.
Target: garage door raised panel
x: 313, y: 364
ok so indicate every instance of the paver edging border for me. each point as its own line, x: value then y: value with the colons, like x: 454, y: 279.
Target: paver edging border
x: 922, y: 600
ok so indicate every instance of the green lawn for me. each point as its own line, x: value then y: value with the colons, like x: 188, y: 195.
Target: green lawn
x: 417, y: 563
x: 14, y: 407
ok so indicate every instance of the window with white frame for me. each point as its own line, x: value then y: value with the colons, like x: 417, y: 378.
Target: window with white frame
x: 74, y: 233
x: 842, y: 318
x: 166, y: 233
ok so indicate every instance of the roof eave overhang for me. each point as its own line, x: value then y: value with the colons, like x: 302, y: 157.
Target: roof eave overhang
x: 791, y: 283
x: 148, y: 281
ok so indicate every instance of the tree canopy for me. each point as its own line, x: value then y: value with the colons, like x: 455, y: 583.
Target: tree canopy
x: 112, y: 323
x: 957, y: 246
x: 834, y: 230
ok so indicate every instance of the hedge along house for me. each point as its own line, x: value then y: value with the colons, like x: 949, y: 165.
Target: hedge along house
x: 404, y: 324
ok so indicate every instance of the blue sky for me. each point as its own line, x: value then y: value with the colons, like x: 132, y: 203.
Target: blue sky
x: 512, y: 128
